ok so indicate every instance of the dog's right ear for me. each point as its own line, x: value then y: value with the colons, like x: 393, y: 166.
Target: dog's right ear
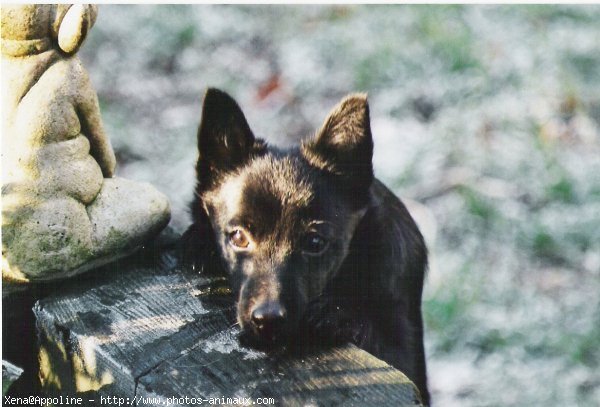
x: 225, y: 140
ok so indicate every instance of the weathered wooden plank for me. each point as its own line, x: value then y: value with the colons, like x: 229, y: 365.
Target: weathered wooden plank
x: 152, y: 330
x: 110, y: 329
x: 218, y: 368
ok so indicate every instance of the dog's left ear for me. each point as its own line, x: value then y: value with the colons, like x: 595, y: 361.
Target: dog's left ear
x: 344, y: 144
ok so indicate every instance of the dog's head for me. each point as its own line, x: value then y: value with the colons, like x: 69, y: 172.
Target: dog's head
x: 282, y: 220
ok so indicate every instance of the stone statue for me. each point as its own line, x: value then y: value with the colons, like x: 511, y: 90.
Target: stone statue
x: 63, y: 212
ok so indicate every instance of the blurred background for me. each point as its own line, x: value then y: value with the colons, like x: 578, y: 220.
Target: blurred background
x: 486, y: 121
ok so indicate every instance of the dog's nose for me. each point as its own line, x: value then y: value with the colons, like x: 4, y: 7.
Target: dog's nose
x: 268, y: 318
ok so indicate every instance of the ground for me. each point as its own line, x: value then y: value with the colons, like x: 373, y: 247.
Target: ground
x: 486, y: 118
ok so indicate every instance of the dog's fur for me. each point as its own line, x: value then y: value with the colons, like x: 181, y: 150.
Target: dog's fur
x: 316, y: 248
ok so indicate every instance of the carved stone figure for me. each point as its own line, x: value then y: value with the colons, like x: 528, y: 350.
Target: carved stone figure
x: 63, y: 212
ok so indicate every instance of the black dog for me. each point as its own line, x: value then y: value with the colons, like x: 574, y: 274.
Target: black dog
x: 316, y: 248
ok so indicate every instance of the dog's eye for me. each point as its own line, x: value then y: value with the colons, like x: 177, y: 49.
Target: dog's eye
x: 314, y: 244
x: 239, y: 239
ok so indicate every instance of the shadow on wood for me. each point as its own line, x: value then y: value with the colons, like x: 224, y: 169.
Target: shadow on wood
x: 144, y: 328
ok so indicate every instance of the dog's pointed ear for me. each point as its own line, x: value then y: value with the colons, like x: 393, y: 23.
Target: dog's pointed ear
x: 344, y: 144
x: 225, y: 140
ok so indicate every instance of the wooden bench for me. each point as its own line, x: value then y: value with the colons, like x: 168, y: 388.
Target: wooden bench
x: 143, y: 328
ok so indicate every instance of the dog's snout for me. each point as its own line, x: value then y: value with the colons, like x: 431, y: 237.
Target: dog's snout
x: 268, y: 318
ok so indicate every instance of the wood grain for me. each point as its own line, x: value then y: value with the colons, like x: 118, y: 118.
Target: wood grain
x: 141, y: 327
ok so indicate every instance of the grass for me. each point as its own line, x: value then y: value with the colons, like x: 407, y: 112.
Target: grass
x: 512, y: 305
